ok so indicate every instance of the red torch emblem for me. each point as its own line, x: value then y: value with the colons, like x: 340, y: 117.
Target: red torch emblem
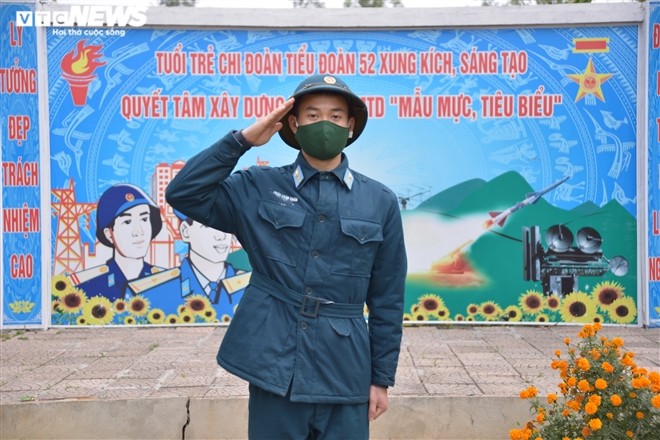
x: 78, y: 70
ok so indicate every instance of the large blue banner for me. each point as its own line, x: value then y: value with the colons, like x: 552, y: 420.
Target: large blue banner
x: 512, y: 152
x: 21, y: 200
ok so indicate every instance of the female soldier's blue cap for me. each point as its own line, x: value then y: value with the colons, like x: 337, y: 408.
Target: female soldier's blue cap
x: 120, y: 198
x: 326, y: 84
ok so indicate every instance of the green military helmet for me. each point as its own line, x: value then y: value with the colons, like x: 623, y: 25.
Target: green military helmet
x: 327, y: 84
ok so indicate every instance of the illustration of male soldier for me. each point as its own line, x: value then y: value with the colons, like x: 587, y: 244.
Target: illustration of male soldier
x: 204, y: 272
x: 127, y: 220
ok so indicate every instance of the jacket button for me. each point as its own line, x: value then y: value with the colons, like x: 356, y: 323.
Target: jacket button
x: 308, y: 290
x: 315, y: 254
x: 303, y: 325
x: 321, y: 218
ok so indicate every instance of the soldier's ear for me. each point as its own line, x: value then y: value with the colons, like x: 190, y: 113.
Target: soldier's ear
x: 184, y: 229
x: 108, y: 234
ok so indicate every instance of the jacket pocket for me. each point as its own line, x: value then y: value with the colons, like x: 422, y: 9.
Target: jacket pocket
x: 345, y: 355
x: 285, y: 229
x: 357, y: 246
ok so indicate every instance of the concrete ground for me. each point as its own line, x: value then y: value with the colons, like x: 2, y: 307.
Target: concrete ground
x: 453, y: 382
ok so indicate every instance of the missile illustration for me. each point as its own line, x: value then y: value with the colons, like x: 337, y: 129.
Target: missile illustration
x: 497, y: 217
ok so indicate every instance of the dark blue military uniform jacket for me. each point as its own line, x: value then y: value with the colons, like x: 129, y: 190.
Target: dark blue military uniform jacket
x: 321, y: 245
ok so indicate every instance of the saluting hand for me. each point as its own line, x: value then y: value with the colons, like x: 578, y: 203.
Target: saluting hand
x: 263, y: 129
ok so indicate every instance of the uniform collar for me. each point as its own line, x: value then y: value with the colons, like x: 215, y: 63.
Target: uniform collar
x: 303, y: 171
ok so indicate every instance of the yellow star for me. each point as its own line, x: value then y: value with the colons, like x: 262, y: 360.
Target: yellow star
x: 590, y: 82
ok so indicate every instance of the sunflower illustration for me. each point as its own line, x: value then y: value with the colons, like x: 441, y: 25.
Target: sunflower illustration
x: 442, y: 314
x: 598, y: 318
x: 578, y: 307
x: 172, y: 319
x: 490, y: 310
x: 130, y: 320
x: 532, y: 302
x: 156, y: 316
x: 73, y: 301
x: 606, y: 293
x: 542, y: 317
x: 225, y: 318
x: 459, y: 317
x: 623, y: 310
x: 210, y: 314
x: 197, y: 304
x: 120, y: 305
x: 472, y: 309
x: 186, y: 318
x: 431, y: 303
x: 98, y: 310
x: 81, y: 320
x: 513, y: 313
x: 181, y: 309
x: 61, y: 284
x: 420, y: 315
x: 553, y: 303
x: 138, y: 306
x: 55, y: 307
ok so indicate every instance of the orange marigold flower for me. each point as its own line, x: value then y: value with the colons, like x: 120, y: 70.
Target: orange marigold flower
x: 656, y: 401
x: 627, y: 361
x: 595, y: 399
x: 641, y: 382
x: 571, y: 381
x: 558, y: 353
x: 632, y: 395
x: 629, y: 434
x: 595, y: 354
x: 654, y: 376
x: 540, y: 417
x: 583, y: 385
x: 574, y: 405
x: 615, y: 399
x: 595, y: 424
x: 567, y: 341
x: 586, y: 431
x: 610, y: 416
x: 565, y: 413
x: 639, y: 415
x: 607, y: 367
x: 597, y: 326
x: 586, y: 331
x: 583, y: 364
x: 601, y: 384
x: 617, y: 342
x: 591, y: 408
x: 552, y: 398
x: 528, y: 393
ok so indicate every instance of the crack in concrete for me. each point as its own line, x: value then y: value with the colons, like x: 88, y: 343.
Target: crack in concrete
x: 183, y: 430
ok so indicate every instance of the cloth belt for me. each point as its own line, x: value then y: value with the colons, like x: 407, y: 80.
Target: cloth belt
x: 309, y: 306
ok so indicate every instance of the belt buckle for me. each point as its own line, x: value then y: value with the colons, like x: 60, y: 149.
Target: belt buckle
x: 304, y: 307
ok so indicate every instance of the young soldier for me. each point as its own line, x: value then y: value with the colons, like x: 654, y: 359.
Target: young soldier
x: 323, y: 240
x: 127, y: 220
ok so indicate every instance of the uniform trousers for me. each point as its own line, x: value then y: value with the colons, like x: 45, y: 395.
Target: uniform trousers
x: 273, y: 417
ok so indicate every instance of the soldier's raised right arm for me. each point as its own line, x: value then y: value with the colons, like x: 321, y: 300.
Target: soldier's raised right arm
x: 205, y: 189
